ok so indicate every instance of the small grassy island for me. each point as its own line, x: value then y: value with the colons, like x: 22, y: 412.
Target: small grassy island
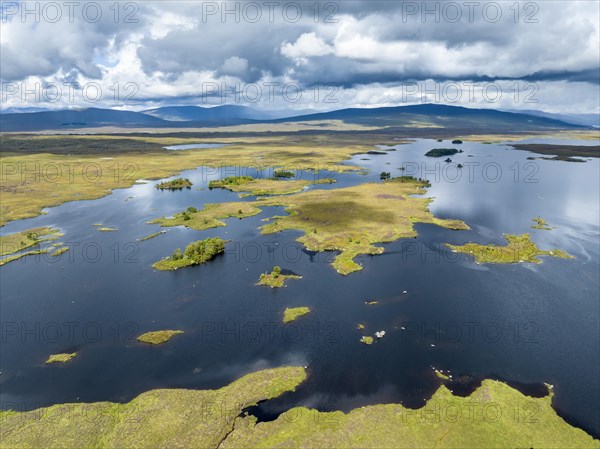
x: 439, y: 152
x: 151, y: 236
x: 275, y: 279
x: 292, y: 314
x: 352, y: 219
x: 209, y: 217
x: 195, y: 253
x: 107, y: 229
x: 457, y: 142
x: 520, y: 249
x: 542, y: 224
x: 61, y: 358
x: 158, y: 337
x: 278, y: 185
x: 175, y: 184
x: 215, y: 419
x: 366, y: 339
x: 11, y: 244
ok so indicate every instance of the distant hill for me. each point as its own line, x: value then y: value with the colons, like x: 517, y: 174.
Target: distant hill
x: 434, y: 115
x: 426, y: 116
x: 575, y: 119
x: 75, y: 118
x: 215, y: 113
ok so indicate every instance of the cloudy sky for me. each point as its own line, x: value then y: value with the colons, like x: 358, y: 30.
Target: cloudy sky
x: 302, y: 55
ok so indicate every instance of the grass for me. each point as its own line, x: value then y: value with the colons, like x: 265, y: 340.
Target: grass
x: 168, y: 418
x: 151, y: 236
x: 6, y: 260
x: 446, y: 421
x: 541, y: 224
x: 158, y: 337
x: 107, y: 229
x: 275, y: 279
x: 519, y: 249
x: 493, y: 416
x: 260, y: 187
x: 18, y: 241
x: 61, y: 358
x: 59, y: 251
x: 69, y: 168
x: 175, y: 184
x: 351, y: 220
x: 367, y: 340
x: 195, y: 253
x: 210, y: 216
x: 292, y: 314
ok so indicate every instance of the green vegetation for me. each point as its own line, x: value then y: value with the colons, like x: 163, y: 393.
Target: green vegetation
x: 420, y: 182
x: 214, y: 419
x: 168, y: 418
x: 12, y: 243
x: 61, y: 358
x: 151, y: 236
x: 440, y: 375
x: 6, y: 260
x: 59, y: 251
x: 195, y: 253
x: 439, y: 152
x: 457, y: 142
x: 352, y: 219
x: 275, y: 279
x: 292, y: 314
x: 209, y: 216
x: 158, y: 337
x: 175, y: 184
x: 541, y: 224
x: 261, y: 187
x: 385, y: 175
x: 107, y: 229
x: 230, y: 181
x: 360, y: 327
x: 283, y: 174
x: 445, y: 421
x: 367, y: 340
x: 520, y: 249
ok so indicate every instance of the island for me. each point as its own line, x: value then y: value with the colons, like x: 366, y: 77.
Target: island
x: 367, y: 340
x: 440, y: 152
x: 275, y: 279
x: 520, y: 249
x: 195, y: 253
x: 151, y: 236
x: 61, y: 358
x: 158, y: 337
x: 175, y: 184
x: 209, y: 217
x: 292, y: 314
x: 258, y: 187
x: 350, y: 220
x: 12, y: 244
x: 542, y: 224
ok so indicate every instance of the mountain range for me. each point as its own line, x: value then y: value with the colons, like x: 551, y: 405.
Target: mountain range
x: 413, y: 116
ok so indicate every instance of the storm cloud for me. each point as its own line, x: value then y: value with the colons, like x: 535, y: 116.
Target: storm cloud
x: 172, y: 50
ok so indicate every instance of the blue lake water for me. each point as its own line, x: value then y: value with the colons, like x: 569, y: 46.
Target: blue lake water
x: 526, y: 324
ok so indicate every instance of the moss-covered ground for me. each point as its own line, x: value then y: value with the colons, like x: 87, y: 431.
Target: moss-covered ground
x: 158, y: 337
x: 519, y: 249
x: 292, y: 314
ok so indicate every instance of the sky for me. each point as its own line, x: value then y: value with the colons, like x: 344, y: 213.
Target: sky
x: 542, y: 55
